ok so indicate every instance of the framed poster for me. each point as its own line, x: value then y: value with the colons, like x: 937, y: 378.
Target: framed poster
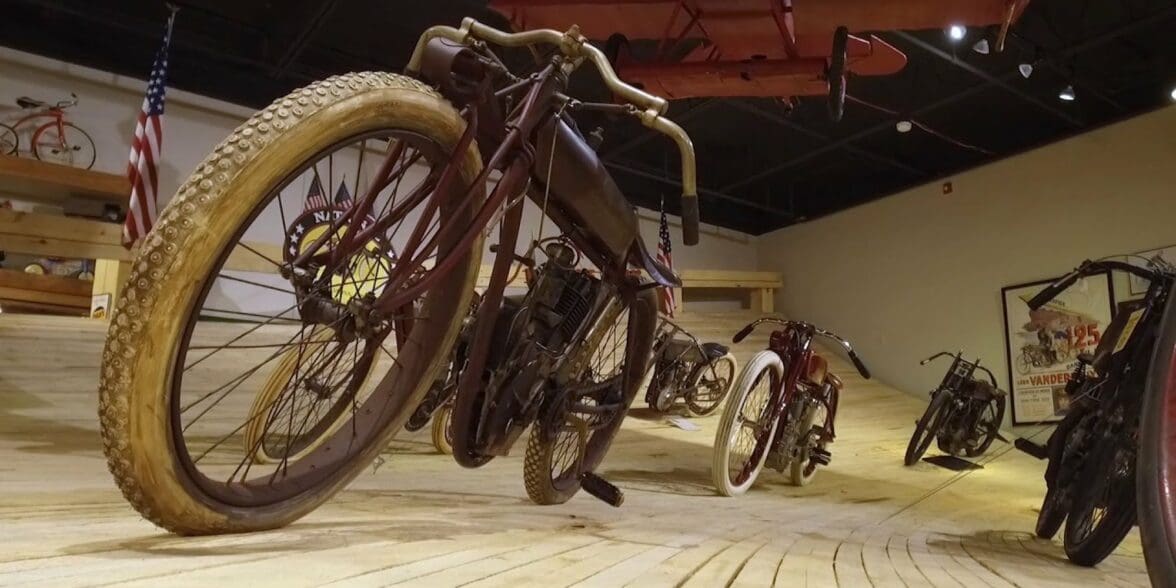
x: 1136, y: 285
x: 1042, y: 345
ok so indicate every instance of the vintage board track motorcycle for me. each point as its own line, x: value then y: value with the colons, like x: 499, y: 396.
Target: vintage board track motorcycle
x: 698, y: 374
x: 1091, y: 475
x: 964, y: 415
x: 781, y: 411
x: 377, y: 288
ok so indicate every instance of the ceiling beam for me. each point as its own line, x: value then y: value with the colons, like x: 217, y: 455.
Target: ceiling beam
x: 988, y: 78
x: 866, y: 153
x: 1090, y: 43
x: 650, y: 174
x: 299, y: 25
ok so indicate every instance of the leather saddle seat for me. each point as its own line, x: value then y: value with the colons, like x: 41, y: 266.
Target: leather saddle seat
x: 816, y: 370
x: 681, y: 348
x: 714, y: 351
x: 26, y: 102
x: 684, y: 349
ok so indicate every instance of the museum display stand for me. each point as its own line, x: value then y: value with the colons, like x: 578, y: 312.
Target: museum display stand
x: 60, y: 236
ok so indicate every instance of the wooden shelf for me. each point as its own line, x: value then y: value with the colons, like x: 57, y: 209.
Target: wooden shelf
x: 23, y: 177
x: 49, y: 291
x: 60, y: 236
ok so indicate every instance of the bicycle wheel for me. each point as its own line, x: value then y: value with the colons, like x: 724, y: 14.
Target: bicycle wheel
x: 987, y: 426
x: 744, y: 435
x: 442, y: 437
x: 661, y: 393
x: 1067, y: 449
x: 927, y: 427
x: 1103, y: 508
x: 709, y: 385
x: 70, y: 146
x: 564, y: 443
x: 9, y: 140
x: 1023, y: 364
x: 173, y: 405
x: 1157, y: 464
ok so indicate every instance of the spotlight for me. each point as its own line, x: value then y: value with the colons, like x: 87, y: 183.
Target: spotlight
x: 1067, y: 94
x: 981, y: 47
x: 903, y: 126
x: 1026, y: 70
x: 956, y: 32
x: 1173, y: 93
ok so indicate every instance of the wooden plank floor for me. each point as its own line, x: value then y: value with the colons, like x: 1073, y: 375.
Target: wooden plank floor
x: 420, y: 519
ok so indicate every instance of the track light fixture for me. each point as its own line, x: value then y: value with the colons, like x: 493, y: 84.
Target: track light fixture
x: 956, y: 32
x: 1067, y: 94
x: 981, y: 47
x: 903, y: 126
x: 1026, y: 70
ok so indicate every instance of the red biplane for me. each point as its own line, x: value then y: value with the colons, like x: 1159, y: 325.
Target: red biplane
x: 778, y: 48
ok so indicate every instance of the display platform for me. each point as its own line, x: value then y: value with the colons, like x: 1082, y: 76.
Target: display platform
x: 418, y: 518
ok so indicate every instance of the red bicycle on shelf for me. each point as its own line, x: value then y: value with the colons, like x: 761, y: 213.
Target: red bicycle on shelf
x: 55, y: 140
x: 781, y: 410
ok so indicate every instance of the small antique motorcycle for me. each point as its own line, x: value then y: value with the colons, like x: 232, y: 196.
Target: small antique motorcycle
x: 371, y: 293
x: 782, y: 409
x: 964, y: 415
x: 700, y: 374
x: 1091, y: 475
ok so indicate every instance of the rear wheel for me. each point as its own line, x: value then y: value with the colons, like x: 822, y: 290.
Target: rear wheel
x: 987, y: 426
x: 927, y: 427
x: 441, y: 433
x: 565, y: 442
x: 746, y: 430
x: 709, y: 385
x: 173, y: 404
x: 1103, y: 508
x: 1052, y: 513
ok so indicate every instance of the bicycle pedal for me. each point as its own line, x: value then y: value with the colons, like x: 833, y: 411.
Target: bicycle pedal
x: 1027, y: 446
x: 602, y: 489
x: 821, y: 456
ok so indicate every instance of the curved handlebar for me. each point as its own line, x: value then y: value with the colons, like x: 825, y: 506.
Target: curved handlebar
x: 576, y: 46
x: 1087, y: 268
x: 937, y: 356
x: 853, y: 356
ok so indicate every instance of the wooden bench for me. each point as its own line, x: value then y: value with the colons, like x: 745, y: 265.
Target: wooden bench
x: 757, y: 288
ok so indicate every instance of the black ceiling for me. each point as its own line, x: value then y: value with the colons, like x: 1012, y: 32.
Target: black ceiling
x: 762, y: 165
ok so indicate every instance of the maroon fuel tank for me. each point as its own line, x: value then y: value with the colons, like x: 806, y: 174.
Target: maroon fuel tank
x: 583, y: 189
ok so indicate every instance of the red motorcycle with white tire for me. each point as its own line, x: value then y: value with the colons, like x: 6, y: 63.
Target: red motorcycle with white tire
x: 781, y: 410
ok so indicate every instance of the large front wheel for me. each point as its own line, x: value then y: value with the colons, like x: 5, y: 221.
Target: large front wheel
x: 747, y: 429
x: 257, y: 268
x: 927, y: 427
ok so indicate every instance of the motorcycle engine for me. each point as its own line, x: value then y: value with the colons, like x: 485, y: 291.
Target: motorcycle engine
x: 561, y: 299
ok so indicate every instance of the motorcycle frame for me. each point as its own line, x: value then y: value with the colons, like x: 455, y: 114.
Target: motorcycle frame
x: 793, y: 345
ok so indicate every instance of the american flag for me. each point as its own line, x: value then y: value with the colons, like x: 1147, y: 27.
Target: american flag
x: 665, y: 295
x: 147, y: 148
x: 315, y: 197
x: 342, y: 196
